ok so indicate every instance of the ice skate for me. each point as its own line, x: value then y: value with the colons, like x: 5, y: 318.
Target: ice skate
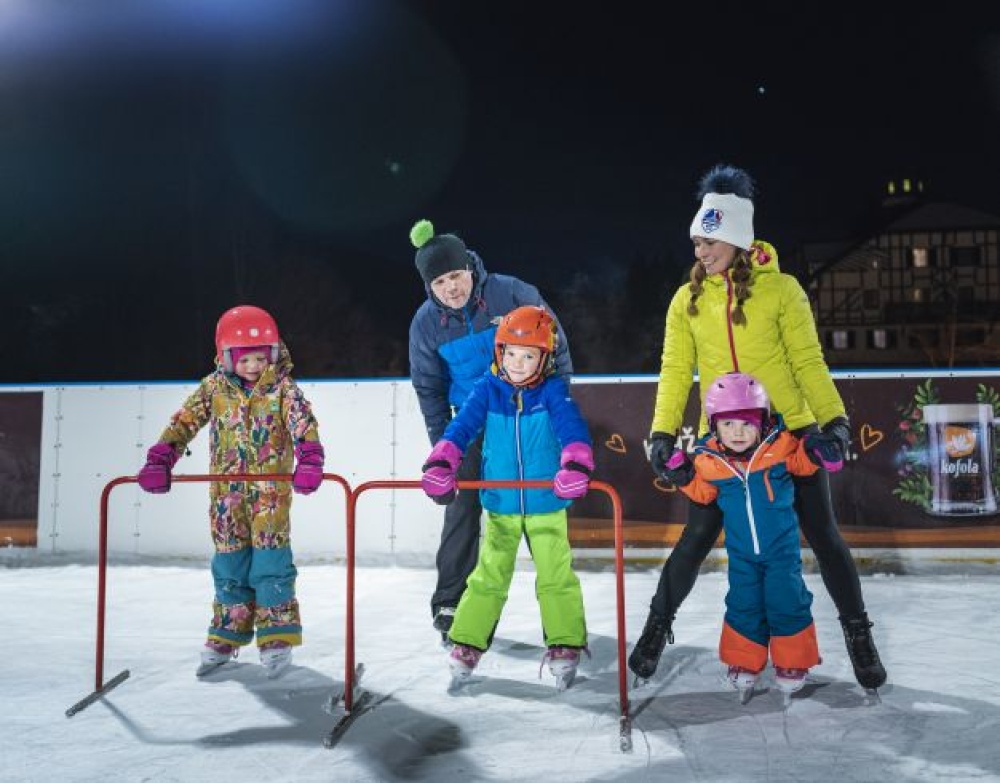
x: 213, y: 655
x: 868, y: 669
x: 563, y: 662
x: 462, y: 661
x: 647, y: 651
x: 742, y: 680
x: 275, y: 657
x: 443, y: 619
x: 789, y: 681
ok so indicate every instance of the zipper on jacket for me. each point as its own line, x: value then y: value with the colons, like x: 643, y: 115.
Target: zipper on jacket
x: 519, y: 406
x: 470, y: 317
x: 744, y: 478
x: 729, y: 322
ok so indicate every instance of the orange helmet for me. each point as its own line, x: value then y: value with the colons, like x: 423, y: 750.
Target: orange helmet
x: 527, y: 325
x: 245, y: 326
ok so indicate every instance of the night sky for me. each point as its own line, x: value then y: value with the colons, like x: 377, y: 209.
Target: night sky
x: 162, y: 161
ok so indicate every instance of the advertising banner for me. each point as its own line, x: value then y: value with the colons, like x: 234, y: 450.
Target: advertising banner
x: 20, y: 439
x: 924, y: 466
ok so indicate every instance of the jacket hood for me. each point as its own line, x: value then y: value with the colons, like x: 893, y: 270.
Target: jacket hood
x: 274, y: 372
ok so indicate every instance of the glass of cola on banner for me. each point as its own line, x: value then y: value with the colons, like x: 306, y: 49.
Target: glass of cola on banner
x: 960, y: 457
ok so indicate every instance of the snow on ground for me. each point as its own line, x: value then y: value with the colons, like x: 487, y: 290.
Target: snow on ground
x: 938, y: 718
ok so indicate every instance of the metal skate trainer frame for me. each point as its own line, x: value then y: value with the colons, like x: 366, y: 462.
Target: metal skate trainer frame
x: 100, y: 687
x: 347, y: 702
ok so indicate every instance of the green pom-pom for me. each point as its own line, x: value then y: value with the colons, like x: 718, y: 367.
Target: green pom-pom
x: 421, y: 233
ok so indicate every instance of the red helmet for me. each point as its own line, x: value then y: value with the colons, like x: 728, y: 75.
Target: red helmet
x: 527, y: 325
x: 245, y: 326
x: 735, y: 391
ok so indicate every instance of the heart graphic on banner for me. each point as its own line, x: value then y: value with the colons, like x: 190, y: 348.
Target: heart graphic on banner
x: 663, y: 486
x: 616, y: 443
x: 870, y: 437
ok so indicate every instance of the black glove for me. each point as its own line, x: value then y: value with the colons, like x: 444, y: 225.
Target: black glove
x: 658, y: 450
x: 839, y: 430
x: 679, y: 470
x: 824, y: 450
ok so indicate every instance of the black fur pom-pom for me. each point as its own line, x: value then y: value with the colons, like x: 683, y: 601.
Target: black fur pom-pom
x: 726, y: 179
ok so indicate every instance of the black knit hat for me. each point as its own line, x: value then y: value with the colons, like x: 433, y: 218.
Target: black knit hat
x: 437, y: 255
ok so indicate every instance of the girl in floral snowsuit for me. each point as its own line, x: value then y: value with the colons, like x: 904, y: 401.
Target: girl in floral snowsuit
x: 259, y: 423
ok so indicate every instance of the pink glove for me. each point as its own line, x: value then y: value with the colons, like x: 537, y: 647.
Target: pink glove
x: 155, y: 474
x: 308, y: 473
x: 438, y: 481
x: 577, y: 461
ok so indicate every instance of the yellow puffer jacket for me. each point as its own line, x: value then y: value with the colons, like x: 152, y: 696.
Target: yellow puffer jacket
x: 778, y: 345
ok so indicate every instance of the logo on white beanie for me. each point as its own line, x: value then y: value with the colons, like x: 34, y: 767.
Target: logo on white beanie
x: 725, y: 217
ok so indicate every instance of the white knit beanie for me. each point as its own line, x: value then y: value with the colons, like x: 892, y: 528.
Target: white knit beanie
x: 726, y: 217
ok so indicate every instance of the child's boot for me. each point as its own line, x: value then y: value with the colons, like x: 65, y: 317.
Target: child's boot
x: 743, y: 680
x: 275, y: 657
x: 563, y: 662
x: 213, y: 655
x: 462, y: 660
x: 789, y: 681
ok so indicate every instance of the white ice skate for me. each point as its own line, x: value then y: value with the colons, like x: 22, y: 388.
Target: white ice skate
x: 214, y: 655
x: 276, y: 660
x: 462, y: 661
x: 789, y: 681
x: 743, y: 680
x: 563, y: 662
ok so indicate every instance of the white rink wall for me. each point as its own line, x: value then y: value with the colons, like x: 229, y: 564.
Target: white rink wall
x: 92, y: 434
x: 371, y: 430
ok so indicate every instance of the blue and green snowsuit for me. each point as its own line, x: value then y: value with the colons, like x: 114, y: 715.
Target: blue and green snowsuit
x: 524, y: 432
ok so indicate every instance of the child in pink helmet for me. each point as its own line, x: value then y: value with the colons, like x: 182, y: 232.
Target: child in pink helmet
x: 746, y: 463
x: 261, y: 423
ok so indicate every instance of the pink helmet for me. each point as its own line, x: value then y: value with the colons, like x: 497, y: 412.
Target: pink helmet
x: 735, y: 391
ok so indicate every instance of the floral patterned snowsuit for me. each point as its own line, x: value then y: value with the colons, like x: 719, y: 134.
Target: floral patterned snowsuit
x: 252, y: 432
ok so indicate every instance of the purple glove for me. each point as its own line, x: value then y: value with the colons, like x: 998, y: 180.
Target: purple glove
x: 572, y: 481
x: 825, y: 450
x: 308, y: 473
x: 438, y: 481
x: 155, y: 474
x: 679, y: 470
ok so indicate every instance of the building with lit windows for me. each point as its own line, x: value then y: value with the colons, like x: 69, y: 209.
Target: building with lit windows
x: 923, y: 290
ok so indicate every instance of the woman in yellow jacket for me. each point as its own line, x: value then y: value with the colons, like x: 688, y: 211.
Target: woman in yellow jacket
x: 739, y: 313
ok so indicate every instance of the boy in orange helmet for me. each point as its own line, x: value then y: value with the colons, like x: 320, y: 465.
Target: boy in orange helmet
x: 531, y: 430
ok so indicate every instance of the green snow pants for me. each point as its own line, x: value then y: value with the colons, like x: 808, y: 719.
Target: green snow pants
x: 557, y: 587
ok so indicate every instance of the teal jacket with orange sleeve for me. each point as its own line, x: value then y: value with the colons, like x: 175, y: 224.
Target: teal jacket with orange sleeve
x: 768, y: 605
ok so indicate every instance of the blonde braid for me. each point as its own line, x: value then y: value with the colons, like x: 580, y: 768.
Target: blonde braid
x: 698, y: 275
x: 741, y: 281
x: 741, y: 278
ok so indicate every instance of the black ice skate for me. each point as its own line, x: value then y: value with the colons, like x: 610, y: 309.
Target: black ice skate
x: 647, y: 651
x: 868, y: 669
